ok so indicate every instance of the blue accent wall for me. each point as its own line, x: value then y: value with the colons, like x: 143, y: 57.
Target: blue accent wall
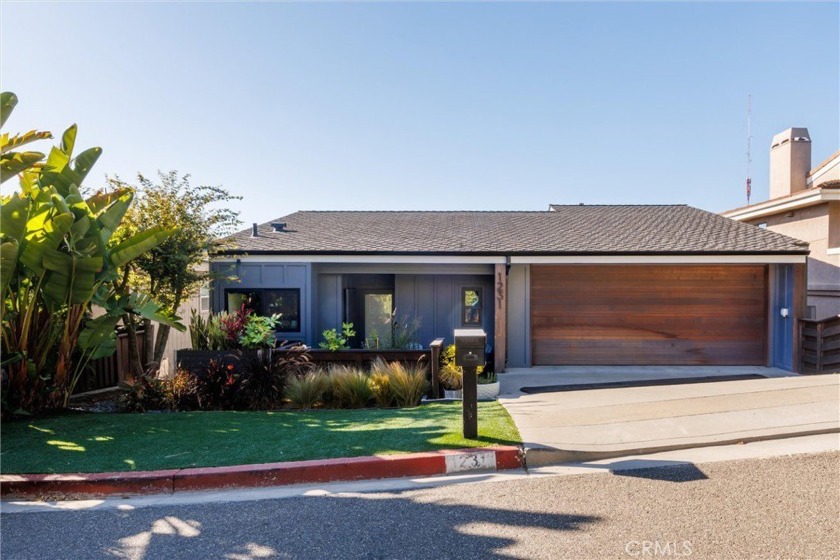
x: 268, y: 275
x: 781, y: 297
x: 436, y: 300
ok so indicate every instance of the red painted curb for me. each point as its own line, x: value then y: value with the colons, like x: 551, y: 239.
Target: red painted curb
x: 48, y: 486
x: 58, y: 486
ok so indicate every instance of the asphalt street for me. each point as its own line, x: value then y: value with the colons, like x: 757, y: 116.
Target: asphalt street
x: 784, y: 507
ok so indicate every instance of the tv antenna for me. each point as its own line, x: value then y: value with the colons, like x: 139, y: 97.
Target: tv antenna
x: 749, y: 139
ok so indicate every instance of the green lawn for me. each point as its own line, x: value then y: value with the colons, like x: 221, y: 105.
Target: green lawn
x: 126, y: 442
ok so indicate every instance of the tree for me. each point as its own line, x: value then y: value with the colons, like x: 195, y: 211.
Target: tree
x: 171, y: 272
x: 60, y: 257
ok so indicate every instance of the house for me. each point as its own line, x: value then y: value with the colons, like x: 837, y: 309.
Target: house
x: 804, y: 204
x: 609, y: 285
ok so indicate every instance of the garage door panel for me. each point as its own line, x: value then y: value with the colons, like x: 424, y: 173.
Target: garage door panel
x: 668, y: 314
x: 651, y: 352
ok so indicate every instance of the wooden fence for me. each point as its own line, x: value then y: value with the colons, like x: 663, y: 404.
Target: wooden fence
x: 820, y: 345
x: 107, y: 372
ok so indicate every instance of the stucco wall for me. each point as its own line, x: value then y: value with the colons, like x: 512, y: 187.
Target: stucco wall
x: 816, y: 225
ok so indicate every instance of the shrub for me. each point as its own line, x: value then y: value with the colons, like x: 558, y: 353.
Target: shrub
x: 307, y: 390
x: 380, y: 381
x: 206, y: 334
x: 233, y: 326
x: 143, y: 395
x: 451, y: 377
x: 408, y: 383
x: 333, y: 341
x: 351, y: 388
x: 216, y: 386
x: 265, y: 376
x: 404, y: 330
x: 180, y: 391
x: 259, y: 332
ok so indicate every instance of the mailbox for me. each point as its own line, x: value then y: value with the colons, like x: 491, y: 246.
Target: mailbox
x: 469, y: 347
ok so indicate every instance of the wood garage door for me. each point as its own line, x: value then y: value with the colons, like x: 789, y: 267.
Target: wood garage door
x: 648, y: 315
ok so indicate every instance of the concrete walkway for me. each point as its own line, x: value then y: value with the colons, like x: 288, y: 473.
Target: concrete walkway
x: 602, y: 423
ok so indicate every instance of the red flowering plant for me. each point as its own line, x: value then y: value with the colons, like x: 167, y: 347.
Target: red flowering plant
x: 233, y: 325
x: 216, y: 386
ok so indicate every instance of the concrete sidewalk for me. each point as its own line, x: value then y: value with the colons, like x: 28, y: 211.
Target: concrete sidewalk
x: 602, y: 423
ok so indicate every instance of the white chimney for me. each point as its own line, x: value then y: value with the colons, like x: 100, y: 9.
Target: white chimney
x: 790, y: 161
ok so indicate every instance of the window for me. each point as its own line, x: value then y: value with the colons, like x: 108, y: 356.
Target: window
x: 285, y: 302
x: 471, y: 301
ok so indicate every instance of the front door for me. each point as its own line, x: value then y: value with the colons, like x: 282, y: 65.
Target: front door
x: 377, y: 314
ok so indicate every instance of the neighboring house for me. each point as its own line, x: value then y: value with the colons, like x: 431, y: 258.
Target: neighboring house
x: 805, y: 204
x: 574, y: 285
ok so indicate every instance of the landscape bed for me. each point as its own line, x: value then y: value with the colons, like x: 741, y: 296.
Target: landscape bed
x: 84, y: 443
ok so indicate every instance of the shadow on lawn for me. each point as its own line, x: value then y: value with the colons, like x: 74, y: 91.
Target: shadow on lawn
x: 122, y: 442
x: 349, y: 526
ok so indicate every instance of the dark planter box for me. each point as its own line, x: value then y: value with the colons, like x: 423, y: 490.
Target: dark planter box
x: 196, y: 361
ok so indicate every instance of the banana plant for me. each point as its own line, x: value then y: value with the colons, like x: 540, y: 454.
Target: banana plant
x: 59, y: 256
x: 13, y: 162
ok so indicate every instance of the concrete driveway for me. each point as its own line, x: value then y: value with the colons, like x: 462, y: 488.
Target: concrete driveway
x: 593, y: 424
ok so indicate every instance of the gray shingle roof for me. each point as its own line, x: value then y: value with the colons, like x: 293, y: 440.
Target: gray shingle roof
x: 567, y: 230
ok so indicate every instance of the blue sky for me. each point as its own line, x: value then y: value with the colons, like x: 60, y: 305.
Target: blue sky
x: 431, y: 106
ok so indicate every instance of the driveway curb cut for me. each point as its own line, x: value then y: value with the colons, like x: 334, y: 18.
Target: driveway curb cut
x: 542, y: 456
x: 98, y: 485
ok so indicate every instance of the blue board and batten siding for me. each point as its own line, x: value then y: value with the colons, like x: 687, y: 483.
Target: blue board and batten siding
x: 436, y: 301
x: 781, y: 297
x: 430, y: 292
x: 264, y: 276
x: 519, y: 316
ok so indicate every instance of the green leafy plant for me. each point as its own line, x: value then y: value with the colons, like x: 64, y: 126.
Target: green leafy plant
x: 333, y: 341
x: 58, y: 258
x: 306, y: 391
x: 259, y: 332
x: 351, y: 388
x: 201, y: 219
x: 487, y: 378
x: 206, y: 334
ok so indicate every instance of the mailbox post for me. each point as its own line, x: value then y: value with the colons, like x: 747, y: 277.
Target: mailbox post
x: 469, y: 355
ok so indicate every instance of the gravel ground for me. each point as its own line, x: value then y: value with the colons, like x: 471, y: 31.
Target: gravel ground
x: 787, y: 507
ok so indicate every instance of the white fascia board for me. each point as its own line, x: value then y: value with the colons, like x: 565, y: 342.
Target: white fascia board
x: 829, y: 165
x: 833, y: 251
x: 767, y: 209
x: 662, y: 259
x: 536, y: 259
x: 364, y: 259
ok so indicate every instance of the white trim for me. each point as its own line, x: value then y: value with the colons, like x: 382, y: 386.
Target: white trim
x: 833, y: 251
x: 829, y: 165
x: 365, y: 259
x: 536, y: 259
x: 662, y: 259
x: 768, y: 208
